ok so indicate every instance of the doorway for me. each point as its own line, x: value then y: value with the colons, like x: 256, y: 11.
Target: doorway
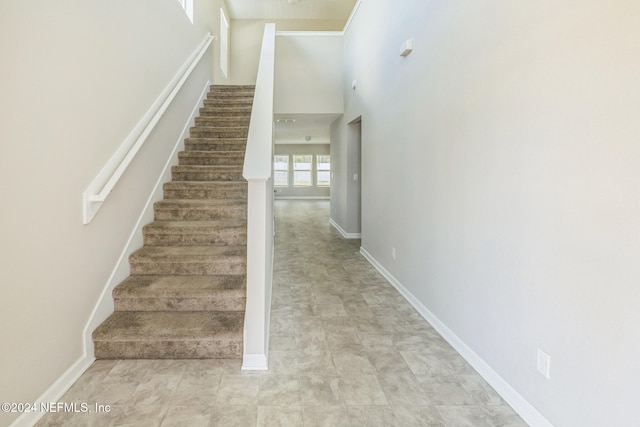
x: 354, y: 177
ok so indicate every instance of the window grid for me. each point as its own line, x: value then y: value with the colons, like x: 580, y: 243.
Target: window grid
x: 187, y: 5
x: 323, y: 170
x: 281, y: 170
x: 302, y: 170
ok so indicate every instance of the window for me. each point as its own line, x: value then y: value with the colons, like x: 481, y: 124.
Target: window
x: 224, y: 44
x: 302, y: 170
x: 323, y: 170
x: 187, y: 5
x: 281, y: 170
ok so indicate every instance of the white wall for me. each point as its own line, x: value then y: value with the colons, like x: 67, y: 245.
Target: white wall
x: 76, y: 78
x: 246, y: 36
x: 308, y: 66
x: 500, y: 159
x: 308, y: 73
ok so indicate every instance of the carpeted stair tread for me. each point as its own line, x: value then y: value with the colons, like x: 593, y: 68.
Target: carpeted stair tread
x: 193, y: 233
x: 170, y: 335
x: 176, y: 286
x: 206, y: 173
x: 189, y: 260
x: 210, y: 144
x: 220, y: 132
x: 181, y: 293
x: 192, y: 226
x: 237, y: 99
x: 205, y: 190
x: 217, y: 94
x: 187, y: 254
x: 211, y: 158
x: 226, y: 111
x: 222, y: 121
x: 200, y: 210
x: 231, y: 87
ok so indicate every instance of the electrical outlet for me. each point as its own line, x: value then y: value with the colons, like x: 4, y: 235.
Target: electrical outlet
x: 543, y: 363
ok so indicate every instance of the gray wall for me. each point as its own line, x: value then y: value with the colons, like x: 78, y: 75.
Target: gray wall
x: 301, y: 192
x: 347, y: 175
x: 500, y: 159
x: 76, y: 78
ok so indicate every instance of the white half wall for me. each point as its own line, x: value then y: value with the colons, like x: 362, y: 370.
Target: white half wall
x: 500, y: 160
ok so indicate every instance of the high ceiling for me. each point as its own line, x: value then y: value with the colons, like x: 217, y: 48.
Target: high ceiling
x: 334, y: 10
x: 298, y: 128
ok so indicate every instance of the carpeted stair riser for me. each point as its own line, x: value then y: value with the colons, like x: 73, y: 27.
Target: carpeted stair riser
x: 186, y: 295
x: 213, y: 348
x: 181, y: 293
x: 188, y: 260
x: 213, y: 144
x: 206, y: 173
x: 218, y: 92
x: 205, y: 190
x: 231, y: 88
x: 229, y: 102
x: 170, y: 335
x: 216, y: 96
x: 195, y: 233
x: 220, y: 132
x: 239, y: 111
x: 200, y: 210
x: 211, y: 158
x: 222, y: 121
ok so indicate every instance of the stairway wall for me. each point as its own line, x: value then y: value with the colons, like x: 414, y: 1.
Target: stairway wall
x: 74, y: 82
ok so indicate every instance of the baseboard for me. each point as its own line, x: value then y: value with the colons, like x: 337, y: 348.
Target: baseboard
x: 55, y: 392
x: 104, y: 306
x: 255, y: 362
x: 344, y: 233
x: 528, y: 413
x: 276, y: 197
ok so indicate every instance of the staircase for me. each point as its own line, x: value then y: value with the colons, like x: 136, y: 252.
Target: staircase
x: 185, y: 297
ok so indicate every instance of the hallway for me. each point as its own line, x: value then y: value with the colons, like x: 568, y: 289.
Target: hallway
x: 345, y: 350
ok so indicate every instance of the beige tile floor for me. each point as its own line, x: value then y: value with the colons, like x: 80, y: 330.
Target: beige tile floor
x: 345, y: 350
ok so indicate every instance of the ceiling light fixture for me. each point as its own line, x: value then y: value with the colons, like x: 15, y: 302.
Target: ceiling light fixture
x: 286, y: 120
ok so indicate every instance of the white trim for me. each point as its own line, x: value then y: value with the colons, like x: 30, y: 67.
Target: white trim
x: 353, y: 14
x: 308, y: 33
x: 104, y: 306
x: 55, y: 392
x: 344, y: 233
x: 102, y: 185
x: 255, y: 362
x: 528, y: 413
x: 301, y: 197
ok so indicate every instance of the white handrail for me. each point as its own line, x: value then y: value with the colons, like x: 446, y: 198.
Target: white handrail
x: 97, y: 192
x: 258, y: 165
